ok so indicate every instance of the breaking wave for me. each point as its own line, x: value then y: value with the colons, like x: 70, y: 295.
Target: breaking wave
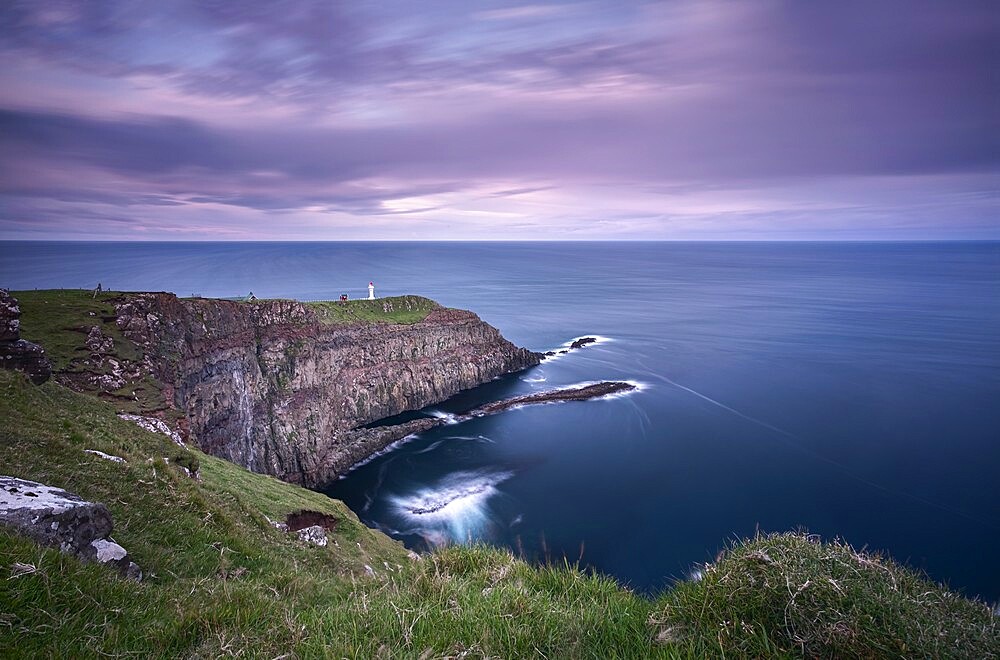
x: 449, y: 418
x: 454, y: 509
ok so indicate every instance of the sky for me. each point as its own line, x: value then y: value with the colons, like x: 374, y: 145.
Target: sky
x: 463, y: 120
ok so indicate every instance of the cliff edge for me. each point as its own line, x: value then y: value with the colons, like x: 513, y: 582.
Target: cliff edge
x: 276, y: 386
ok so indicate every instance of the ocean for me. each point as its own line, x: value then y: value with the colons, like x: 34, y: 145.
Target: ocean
x: 848, y: 389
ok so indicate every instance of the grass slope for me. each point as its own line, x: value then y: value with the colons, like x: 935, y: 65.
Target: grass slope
x: 396, y: 309
x: 59, y: 320
x: 221, y: 581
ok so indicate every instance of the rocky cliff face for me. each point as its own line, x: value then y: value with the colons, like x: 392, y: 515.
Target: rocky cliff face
x: 274, y: 387
x: 17, y: 353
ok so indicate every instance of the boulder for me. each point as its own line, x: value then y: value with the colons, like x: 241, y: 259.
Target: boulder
x: 59, y: 519
x: 313, y: 534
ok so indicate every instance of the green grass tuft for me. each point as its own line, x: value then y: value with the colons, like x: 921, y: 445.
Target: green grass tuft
x: 791, y: 595
x: 398, y: 309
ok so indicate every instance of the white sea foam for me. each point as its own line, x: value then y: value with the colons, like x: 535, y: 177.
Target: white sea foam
x: 381, y: 452
x: 598, y: 339
x: 449, y: 418
x: 474, y: 438
x: 430, y: 447
x: 455, y: 508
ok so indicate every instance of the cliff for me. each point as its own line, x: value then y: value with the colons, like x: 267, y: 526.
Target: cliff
x: 278, y: 386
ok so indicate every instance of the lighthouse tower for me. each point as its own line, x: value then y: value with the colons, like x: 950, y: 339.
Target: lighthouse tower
x: 371, y: 291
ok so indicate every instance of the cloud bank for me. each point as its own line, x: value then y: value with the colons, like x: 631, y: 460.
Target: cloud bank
x: 572, y: 120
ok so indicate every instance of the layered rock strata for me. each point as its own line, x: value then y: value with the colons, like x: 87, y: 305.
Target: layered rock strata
x: 271, y: 386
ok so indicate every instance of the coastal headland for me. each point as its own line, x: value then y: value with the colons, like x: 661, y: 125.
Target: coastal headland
x: 239, y: 563
x: 279, y: 387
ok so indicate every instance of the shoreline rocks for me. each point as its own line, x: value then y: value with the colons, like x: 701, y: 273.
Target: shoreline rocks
x: 582, y: 342
x: 577, y: 393
x: 386, y: 435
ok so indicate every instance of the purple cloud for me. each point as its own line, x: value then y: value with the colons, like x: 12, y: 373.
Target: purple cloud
x: 620, y: 120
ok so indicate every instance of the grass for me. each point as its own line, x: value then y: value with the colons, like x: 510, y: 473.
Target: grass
x: 397, y: 309
x: 215, y: 566
x: 59, y: 320
x: 791, y: 595
x: 221, y: 581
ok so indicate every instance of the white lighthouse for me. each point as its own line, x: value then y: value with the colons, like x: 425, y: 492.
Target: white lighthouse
x: 371, y: 291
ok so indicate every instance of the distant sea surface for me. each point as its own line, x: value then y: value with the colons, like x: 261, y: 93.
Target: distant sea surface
x: 849, y: 389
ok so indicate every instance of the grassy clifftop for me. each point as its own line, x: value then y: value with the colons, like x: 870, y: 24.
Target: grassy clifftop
x: 397, y: 309
x: 222, y: 581
x: 64, y: 322
x: 59, y: 320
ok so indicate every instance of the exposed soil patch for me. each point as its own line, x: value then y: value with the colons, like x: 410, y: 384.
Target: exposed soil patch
x: 301, y: 519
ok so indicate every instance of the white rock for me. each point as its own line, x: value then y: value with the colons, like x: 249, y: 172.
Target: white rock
x: 280, y: 526
x: 56, y: 518
x: 21, y: 494
x: 116, y: 459
x: 108, y: 551
x: 315, y: 535
x: 155, y: 425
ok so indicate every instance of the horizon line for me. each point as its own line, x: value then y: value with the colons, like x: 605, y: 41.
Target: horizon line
x: 515, y: 240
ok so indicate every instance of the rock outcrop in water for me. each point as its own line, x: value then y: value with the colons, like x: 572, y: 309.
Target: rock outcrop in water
x: 382, y: 436
x: 274, y: 387
x: 17, y: 353
x: 577, y: 393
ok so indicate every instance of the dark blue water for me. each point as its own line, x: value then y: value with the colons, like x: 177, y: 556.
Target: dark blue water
x: 849, y: 389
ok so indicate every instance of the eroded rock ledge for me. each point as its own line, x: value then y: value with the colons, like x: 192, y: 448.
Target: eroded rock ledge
x: 282, y: 387
x: 574, y: 393
x: 383, y: 436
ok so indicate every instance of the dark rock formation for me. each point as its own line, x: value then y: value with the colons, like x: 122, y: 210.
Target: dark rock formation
x: 582, y: 393
x: 575, y: 344
x: 273, y: 388
x: 382, y: 436
x: 359, y: 444
x: 53, y: 517
x: 17, y: 353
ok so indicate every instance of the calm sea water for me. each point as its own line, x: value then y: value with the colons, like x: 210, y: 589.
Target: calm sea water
x: 849, y: 389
